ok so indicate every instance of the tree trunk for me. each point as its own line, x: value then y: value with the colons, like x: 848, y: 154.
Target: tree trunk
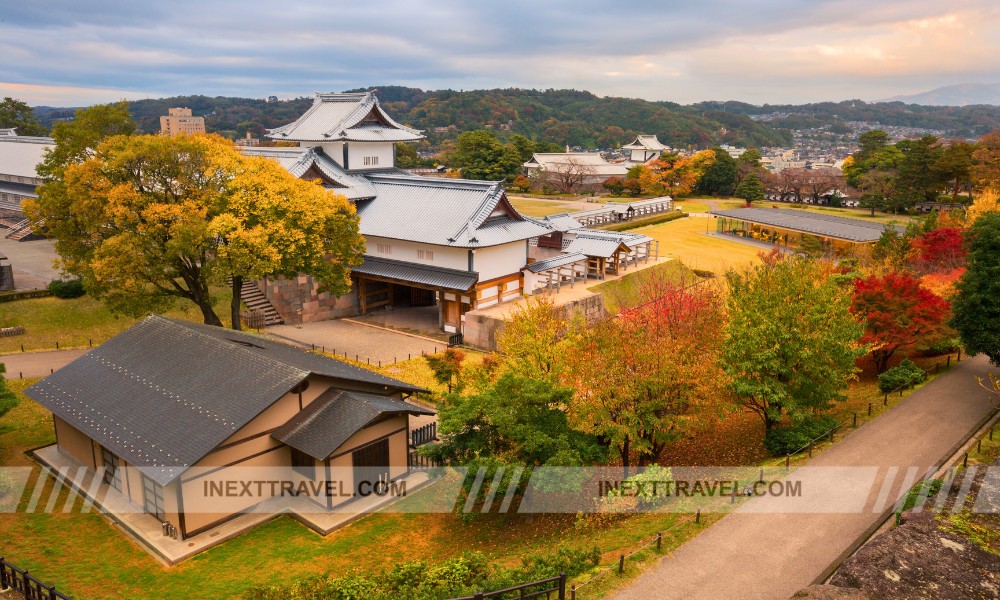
x: 234, y: 304
x: 206, y: 311
x: 625, y: 453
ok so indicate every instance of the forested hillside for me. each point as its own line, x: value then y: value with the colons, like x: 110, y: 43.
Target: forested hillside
x: 955, y: 121
x: 577, y: 118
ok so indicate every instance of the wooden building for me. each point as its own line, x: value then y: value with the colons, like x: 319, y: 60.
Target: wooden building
x: 168, y: 409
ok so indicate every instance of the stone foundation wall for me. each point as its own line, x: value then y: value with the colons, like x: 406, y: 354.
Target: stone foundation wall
x: 298, y: 300
x: 481, y: 330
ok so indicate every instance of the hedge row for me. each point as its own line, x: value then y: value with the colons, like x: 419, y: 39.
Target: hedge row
x: 654, y: 220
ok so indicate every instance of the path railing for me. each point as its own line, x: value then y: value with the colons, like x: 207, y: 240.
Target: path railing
x: 19, y: 580
x: 533, y: 589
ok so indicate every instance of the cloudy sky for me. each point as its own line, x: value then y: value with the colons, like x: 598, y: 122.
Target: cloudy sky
x: 71, y: 52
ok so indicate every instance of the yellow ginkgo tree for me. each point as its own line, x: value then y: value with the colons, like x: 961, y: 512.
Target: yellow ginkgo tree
x: 147, y: 220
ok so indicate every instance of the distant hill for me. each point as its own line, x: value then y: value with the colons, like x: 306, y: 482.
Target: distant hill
x: 963, y: 94
x: 577, y: 118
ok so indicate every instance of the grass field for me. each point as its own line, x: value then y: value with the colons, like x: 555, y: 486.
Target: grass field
x: 692, y: 206
x: 625, y: 290
x: 685, y: 240
x: 78, y: 321
x: 540, y: 208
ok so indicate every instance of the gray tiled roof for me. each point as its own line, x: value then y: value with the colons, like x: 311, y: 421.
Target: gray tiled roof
x: 335, y: 416
x: 854, y: 230
x: 562, y: 222
x: 444, y: 212
x: 164, y: 393
x: 556, y: 261
x: 604, y: 243
x: 645, y: 142
x: 341, y: 117
x: 422, y: 274
x: 298, y: 160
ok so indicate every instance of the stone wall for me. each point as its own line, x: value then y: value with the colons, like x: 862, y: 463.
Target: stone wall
x: 481, y: 330
x: 298, y: 300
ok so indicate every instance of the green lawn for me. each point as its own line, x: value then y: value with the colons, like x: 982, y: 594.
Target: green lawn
x: 685, y: 240
x: 78, y: 321
x: 850, y: 213
x: 540, y: 208
x: 692, y: 206
x: 626, y: 289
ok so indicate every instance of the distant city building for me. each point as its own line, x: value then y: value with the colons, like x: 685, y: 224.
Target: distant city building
x: 180, y: 121
x: 249, y: 141
x: 733, y: 150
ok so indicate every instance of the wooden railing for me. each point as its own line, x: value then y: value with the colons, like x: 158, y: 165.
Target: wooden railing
x: 543, y: 588
x: 423, y: 435
x: 13, y: 578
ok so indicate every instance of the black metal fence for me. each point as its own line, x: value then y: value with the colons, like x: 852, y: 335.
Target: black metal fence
x: 547, y: 588
x: 19, y: 580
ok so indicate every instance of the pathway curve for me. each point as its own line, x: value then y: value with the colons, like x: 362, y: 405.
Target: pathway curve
x: 39, y: 364
x: 753, y: 555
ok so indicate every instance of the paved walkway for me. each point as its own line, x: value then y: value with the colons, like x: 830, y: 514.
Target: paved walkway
x: 32, y: 262
x: 363, y: 342
x: 753, y: 555
x: 39, y: 364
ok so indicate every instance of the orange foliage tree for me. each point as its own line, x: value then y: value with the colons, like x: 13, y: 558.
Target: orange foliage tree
x: 646, y: 377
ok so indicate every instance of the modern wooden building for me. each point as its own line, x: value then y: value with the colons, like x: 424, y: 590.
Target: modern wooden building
x: 791, y: 228
x: 169, y: 408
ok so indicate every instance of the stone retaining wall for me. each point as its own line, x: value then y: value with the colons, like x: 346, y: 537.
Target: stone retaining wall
x: 298, y: 300
x: 481, y: 330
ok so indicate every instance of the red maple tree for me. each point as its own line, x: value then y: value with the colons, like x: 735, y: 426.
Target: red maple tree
x: 941, y: 249
x: 898, y: 313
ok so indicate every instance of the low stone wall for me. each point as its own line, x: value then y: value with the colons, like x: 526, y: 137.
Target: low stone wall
x: 481, y: 330
x: 298, y: 300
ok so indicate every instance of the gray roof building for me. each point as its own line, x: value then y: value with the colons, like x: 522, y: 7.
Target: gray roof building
x: 445, y: 212
x: 851, y: 230
x: 299, y: 162
x: 164, y: 393
x: 425, y: 275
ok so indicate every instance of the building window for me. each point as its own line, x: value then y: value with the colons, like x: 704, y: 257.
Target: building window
x: 425, y: 254
x: 371, y: 161
x: 112, y: 469
x: 383, y: 248
x: 152, y: 498
x: 303, y: 464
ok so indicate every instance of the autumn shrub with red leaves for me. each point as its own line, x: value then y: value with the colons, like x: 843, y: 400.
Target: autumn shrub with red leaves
x: 898, y: 314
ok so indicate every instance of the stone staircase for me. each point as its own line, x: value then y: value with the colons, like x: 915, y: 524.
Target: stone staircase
x: 18, y: 231
x: 256, y: 301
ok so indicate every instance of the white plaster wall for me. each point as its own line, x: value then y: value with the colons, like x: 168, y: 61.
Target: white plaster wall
x: 450, y: 258
x: 357, y: 151
x: 498, y: 261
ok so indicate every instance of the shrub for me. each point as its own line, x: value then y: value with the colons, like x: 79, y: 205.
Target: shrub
x: 902, y: 375
x: 655, y: 220
x: 70, y: 288
x: 787, y: 440
x: 939, y: 347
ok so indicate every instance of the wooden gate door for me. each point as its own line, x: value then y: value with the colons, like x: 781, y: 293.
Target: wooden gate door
x: 371, y: 468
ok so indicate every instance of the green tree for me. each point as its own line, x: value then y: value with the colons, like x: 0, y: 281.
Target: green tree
x: 407, y: 157
x: 515, y: 421
x: 791, y: 338
x: 525, y: 147
x: 919, y: 180
x: 976, y: 306
x: 150, y: 219
x: 479, y: 155
x: 750, y: 189
x: 75, y: 140
x: 954, y: 167
x: 17, y: 114
x: 8, y: 399
x: 719, y: 179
